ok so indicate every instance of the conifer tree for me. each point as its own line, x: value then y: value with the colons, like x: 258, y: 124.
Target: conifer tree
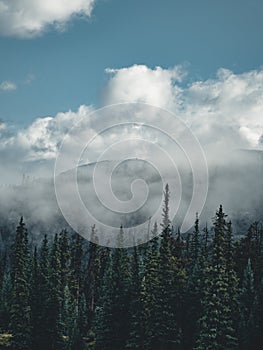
x: 41, y: 336
x: 195, y: 243
x: 246, y: 300
x: 112, y: 316
x: 91, y: 276
x: 34, y: 299
x: 5, y: 301
x: 150, y: 285
x: 54, y: 328
x: 192, y: 303
x: 135, y: 339
x: 20, y: 309
x: 64, y: 258
x: 216, y: 327
x: 257, y: 317
x: 76, y: 265
x: 168, y: 333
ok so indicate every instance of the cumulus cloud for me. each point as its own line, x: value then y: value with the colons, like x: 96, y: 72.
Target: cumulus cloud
x: 8, y: 86
x: 228, y: 108
x: 225, y: 113
x: 34, y: 149
x: 140, y: 83
x: 30, y: 18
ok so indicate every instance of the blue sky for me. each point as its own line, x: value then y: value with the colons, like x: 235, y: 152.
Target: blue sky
x: 61, y: 70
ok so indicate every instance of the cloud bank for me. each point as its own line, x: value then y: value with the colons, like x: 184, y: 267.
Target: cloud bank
x: 230, y: 104
x: 225, y: 113
x: 30, y: 18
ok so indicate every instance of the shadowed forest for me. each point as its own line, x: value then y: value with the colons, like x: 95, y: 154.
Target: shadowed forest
x: 202, y: 290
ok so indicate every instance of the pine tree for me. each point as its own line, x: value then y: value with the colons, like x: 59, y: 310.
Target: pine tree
x: 5, y: 301
x: 41, y: 340
x: 54, y: 328
x: 20, y: 310
x: 246, y: 300
x: 165, y: 332
x: 112, y: 320
x: 165, y: 214
x: 216, y: 327
x: 257, y: 317
x: 76, y: 265
x: 91, y: 276
x: 104, y: 311
x: 150, y: 285
x: 135, y: 340
x: 195, y: 243
x: 34, y: 299
x: 64, y: 251
x: 192, y: 303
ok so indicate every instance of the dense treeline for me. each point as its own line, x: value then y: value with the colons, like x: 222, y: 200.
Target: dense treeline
x: 201, y: 292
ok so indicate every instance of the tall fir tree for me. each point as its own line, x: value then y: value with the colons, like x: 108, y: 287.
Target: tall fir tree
x: 150, y: 285
x: 20, y: 310
x: 113, y: 314
x: 135, y: 339
x: 246, y: 302
x: 41, y: 338
x: 216, y: 327
x: 54, y: 305
x: 5, y: 301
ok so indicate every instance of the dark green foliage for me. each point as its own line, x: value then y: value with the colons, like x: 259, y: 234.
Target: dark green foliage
x: 20, y: 308
x: 112, y: 333
x: 200, y: 291
x: 5, y: 301
x: 246, y: 301
x: 150, y: 292
x: 135, y: 339
x: 257, y: 317
x: 192, y: 303
x: 216, y: 322
x: 54, y: 327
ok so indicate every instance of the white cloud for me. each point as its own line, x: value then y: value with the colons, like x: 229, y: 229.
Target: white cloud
x: 30, y: 18
x: 139, y: 83
x: 43, y: 137
x: 225, y: 113
x: 227, y: 108
x: 8, y: 86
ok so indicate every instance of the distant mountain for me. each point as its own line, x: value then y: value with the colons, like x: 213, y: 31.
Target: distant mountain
x: 235, y: 181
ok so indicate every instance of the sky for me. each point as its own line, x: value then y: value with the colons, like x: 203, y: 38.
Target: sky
x: 60, y: 61
x: 57, y: 61
x: 200, y: 61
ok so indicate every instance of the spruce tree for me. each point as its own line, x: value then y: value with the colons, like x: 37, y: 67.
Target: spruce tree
x: 91, y: 276
x: 135, y: 339
x: 112, y: 319
x: 64, y: 251
x: 54, y: 304
x: 20, y: 309
x: 246, y: 301
x: 257, y: 317
x: 150, y: 285
x: 167, y: 329
x: 41, y: 336
x: 192, y: 303
x: 216, y: 327
x: 34, y: 299
x: 5, y: 301
x: 195, y: 242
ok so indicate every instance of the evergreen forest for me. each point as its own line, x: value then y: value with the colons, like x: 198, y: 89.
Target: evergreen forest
x: 202, y: 290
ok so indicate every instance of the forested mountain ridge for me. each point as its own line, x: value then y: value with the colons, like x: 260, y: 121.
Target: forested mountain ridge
x: 203, y: 291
